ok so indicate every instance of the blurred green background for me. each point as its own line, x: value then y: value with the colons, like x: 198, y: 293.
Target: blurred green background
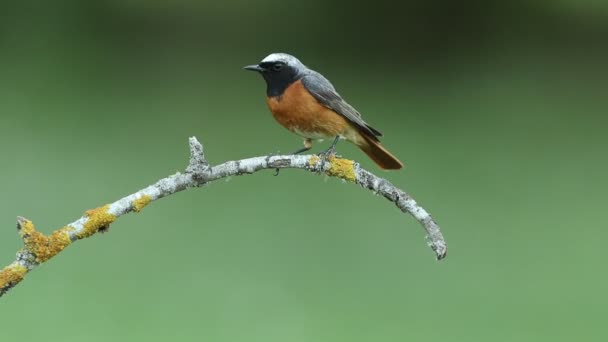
x: 498, y: 110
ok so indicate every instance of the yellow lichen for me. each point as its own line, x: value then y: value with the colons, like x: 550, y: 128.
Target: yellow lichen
x: 141, y: 202
x: 42, y: 246
x: 312, y: 162
x: 342, y: 168
x: 26, y: 227
x: 58, y: 240
x: 11, y: 275
x: 98, y: 219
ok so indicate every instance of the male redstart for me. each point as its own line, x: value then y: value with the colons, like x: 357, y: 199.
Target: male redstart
x: 306, y: 103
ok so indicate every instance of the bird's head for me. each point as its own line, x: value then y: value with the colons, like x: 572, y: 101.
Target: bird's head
x: 279, y: 70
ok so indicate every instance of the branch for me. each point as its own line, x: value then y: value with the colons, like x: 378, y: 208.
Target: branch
x: 38, y: 248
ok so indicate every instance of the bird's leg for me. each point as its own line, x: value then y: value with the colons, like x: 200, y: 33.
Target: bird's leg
x: 303, y: 149
x: 307, y: 146
x: 331, y: 151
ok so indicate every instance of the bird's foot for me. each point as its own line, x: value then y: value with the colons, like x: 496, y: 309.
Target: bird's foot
x: 326, y: 156
x: 276, y: 173
x: 329, y: 153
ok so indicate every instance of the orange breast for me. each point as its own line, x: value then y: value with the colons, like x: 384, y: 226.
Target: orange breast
x: 298, y: 111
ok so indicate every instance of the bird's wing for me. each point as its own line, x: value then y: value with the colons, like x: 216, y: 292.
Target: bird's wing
x: 326, y: 94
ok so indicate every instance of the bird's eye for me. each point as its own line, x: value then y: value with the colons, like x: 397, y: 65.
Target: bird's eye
x: 278, y: 66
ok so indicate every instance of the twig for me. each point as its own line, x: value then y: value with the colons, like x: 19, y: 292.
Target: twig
x: 39, y: 248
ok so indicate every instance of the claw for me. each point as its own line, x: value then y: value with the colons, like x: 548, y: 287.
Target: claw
x: 277, y: 169
x: 330, y: 152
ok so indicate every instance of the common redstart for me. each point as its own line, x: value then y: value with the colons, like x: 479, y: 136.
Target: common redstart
x: 307, y: 104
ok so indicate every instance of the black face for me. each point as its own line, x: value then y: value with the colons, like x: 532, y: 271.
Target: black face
x: 278, y: 76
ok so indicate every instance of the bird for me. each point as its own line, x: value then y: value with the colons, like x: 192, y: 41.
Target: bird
x: 307, y: 104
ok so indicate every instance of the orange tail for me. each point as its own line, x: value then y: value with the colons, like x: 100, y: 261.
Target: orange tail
x: 377, y: 152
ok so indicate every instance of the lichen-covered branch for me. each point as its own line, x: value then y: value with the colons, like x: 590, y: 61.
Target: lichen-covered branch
x: 38, y: 248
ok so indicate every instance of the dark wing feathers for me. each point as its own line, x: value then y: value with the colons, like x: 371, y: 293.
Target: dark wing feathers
x: 327, y: 95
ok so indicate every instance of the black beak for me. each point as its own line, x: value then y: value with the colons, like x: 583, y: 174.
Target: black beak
x: 254, y: 67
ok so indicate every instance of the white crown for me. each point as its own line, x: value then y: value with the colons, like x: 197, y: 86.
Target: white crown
x: 282, y: 57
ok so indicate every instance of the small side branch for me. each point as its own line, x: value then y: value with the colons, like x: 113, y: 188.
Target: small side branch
x: 38, y: 248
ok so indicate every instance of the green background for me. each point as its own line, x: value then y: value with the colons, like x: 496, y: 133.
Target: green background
x: 498, y: 111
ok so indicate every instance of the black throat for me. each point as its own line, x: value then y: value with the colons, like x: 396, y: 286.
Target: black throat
x: 277, y: 82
